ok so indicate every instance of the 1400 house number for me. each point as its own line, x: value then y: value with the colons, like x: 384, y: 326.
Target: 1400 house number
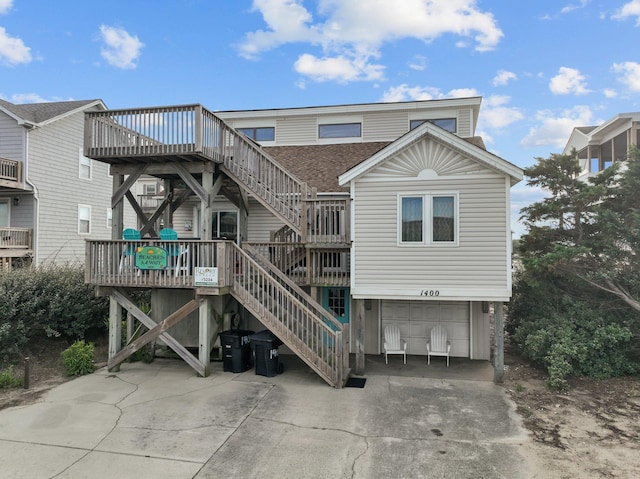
x: 429, y: 292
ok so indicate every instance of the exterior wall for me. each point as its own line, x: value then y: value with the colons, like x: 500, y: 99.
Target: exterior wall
x: 381, y: 126
x: 382, y: 122
x: 20, y: 216
x: 476, y: 268
x: 54, y: 170
x: 261, y: 222
x: 12, y: 138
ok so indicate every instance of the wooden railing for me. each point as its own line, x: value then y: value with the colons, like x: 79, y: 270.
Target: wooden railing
x: 112, y: 263
x: 328, y: 221
x: 193, y: 130
x: 16, y: 238
x: 328, y: 266
x: 312, y: 332
x: 10, y: 170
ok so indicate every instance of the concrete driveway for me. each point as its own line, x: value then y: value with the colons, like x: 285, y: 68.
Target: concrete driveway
x: 161, y: 421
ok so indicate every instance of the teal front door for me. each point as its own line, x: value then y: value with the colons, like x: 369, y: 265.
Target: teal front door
x: 337, y: 301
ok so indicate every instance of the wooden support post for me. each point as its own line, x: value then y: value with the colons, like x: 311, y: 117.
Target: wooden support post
x: 359, y: 336
x: 498, y: 332
x: 115, y: 331
x: 204, y: 335
x: 206, y: 219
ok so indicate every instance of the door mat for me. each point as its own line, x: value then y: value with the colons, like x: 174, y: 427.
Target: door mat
x: 355, y: 382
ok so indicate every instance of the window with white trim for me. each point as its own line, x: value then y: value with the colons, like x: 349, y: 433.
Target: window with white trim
x: 259, y: 133
x: 84, y: 219
x: 428, y: 219
x: 340, y: 130
x: 448, y: 124
x: 85, y: 166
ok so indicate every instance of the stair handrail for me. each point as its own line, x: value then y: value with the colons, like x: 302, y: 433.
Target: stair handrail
x: 299, y: 327
x: 303, y: 297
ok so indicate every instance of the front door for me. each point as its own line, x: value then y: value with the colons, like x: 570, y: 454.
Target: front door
x: 338, y: 302
x: 225, y: 225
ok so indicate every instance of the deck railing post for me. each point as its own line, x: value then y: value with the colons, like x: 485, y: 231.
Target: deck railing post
x: 199, y: 128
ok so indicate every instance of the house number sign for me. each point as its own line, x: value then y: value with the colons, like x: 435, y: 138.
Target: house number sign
x: 430, y: 292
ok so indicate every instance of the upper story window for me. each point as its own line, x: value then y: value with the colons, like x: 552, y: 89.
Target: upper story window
x: 85, y: 166
x: 448, y: 124
x: 84, y: 219
x: 428, y: 219
x: 340, y: 130
x: 261, y: 133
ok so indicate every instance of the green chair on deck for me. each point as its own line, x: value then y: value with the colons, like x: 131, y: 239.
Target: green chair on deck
x: 129, y: 251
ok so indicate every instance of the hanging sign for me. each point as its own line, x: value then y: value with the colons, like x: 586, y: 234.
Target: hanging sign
x: 151, y: 258
x: 205, y: 276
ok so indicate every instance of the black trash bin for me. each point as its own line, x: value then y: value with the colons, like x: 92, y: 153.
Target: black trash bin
x: 265, y: 347
x: 236, y: 350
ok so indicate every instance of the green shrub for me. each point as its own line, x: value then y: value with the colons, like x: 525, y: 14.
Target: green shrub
x: 576, y: 340
x: 8, y: 379
x: 47, y: 301
x: 78, y: 358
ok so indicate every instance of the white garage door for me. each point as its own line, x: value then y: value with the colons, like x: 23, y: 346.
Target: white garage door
x: 416, y: 318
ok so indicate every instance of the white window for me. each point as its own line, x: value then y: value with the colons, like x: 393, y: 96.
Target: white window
x: 109, y: 218
x: 84, y: 219
x: 85, y: 166
x: 428, y: 219
x: 340, y: 130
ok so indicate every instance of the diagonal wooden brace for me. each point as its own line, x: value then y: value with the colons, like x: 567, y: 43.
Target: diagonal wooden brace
x: 155, y: 330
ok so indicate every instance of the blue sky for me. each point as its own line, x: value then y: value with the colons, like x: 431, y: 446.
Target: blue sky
x: 542, y: 67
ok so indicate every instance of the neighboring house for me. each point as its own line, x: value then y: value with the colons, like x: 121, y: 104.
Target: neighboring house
x: 52, y: 197
x: 598, y: 147
x: 384, y: 214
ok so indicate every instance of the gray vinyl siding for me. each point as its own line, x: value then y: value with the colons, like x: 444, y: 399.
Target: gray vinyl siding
x: 11, y: 138
x: 298, y: 130
x: 476, y: 267
x: 384, y: 126
x: 20, y: 216
x: 261, y: 223
x: 53, y: 169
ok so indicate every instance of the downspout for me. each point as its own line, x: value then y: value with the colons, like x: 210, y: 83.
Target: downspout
x: 36, y: 199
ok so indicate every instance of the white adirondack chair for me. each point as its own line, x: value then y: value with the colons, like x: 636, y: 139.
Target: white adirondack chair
x: 393, y: 344
x: 438, y: 345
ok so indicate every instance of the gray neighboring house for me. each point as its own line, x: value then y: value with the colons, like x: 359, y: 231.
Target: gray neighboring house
x: 599, y: 146
x: 52, y: 197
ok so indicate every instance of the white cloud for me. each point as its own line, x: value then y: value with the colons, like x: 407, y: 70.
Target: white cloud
x: 496, y: 115
x: 120, y: 49
x: 5, y: 6
x: 340, y: 69
x: 20, y: 98
x: 572, y: 6
x: 610, y: 93
x: 630, y: 74
x: 555, y: 131
x: 405, y: 92
x: 630, y: 9
x: 419, y: 63
x: 13, y: 51
x: 356, y: 29
x: 567, y: 81
x: 503, y: 77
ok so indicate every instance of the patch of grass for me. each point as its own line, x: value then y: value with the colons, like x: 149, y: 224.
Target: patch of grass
x: 519, y: 388
x: 8, y: 379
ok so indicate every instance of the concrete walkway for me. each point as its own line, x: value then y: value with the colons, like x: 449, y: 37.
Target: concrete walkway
x: 159, y: 420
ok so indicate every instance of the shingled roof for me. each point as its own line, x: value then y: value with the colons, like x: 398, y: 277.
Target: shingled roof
x: 320, y: 165
x: 40, y: 112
